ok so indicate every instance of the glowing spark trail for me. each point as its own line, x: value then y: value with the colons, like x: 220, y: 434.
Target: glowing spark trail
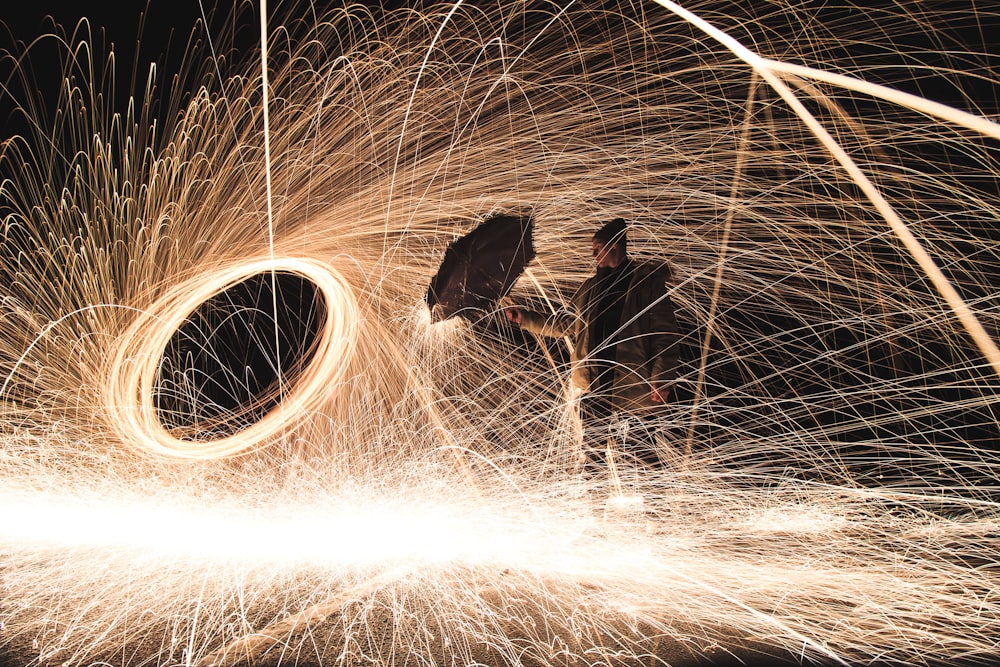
x: 954, y: 300
x: 231, y: 433
x: 134, y: 367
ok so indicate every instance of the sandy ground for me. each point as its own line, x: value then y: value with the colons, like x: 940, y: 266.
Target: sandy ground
x: 323, y: 646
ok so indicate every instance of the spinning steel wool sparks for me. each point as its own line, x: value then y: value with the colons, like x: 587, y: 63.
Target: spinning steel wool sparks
x: 232, y: 432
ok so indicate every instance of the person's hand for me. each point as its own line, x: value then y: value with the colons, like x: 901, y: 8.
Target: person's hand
x: 660, y: 394
x: 514, y: 314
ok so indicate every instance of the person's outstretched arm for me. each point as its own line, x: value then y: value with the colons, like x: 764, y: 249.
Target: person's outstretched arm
x: 553, y: 326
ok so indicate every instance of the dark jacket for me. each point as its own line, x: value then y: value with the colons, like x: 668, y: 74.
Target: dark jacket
x: 647, y: 353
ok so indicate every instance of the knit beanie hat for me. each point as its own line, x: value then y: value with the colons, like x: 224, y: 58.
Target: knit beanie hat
x: 612, y: 233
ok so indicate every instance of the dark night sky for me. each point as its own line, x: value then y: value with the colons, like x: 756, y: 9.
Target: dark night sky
x: 120, y: 20
x: 146, y: 30
x: 139, y: 32
x: 132, y: 28
x: 138, y: 35
x: 151, y: 27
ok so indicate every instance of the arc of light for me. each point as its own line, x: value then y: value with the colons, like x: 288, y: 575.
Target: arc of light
x: 767, y: 70
x: 249, y: 647
x: 406, y: 119
x: 734, y: 190
x: 931, y: 108
x: 225, y: 96
x: 131, y: 378
x: 49, y: 327
x: 267, y: 181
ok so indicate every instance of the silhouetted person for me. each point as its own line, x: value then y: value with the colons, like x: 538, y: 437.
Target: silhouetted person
x: 625, y: 340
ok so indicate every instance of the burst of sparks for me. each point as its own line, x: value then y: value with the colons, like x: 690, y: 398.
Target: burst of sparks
x: 413, y: 494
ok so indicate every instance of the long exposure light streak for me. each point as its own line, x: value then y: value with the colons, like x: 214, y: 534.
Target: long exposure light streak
x: 950, y: 294
x: 132, y: 373
x: 232, y: 434
x: 264, y: 85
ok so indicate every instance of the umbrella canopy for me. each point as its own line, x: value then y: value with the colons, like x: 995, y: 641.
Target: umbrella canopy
x: 479, y: 268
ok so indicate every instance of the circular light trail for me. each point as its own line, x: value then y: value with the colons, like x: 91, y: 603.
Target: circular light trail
x: 132, y: 379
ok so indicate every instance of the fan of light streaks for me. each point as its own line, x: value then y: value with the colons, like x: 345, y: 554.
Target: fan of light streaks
x: 408, y: 491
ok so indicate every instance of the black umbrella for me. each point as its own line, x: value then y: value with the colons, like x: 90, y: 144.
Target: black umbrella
x: 479, y: 268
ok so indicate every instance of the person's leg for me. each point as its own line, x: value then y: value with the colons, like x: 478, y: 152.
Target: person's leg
x: 640, y: 441
x: 595, y: 414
